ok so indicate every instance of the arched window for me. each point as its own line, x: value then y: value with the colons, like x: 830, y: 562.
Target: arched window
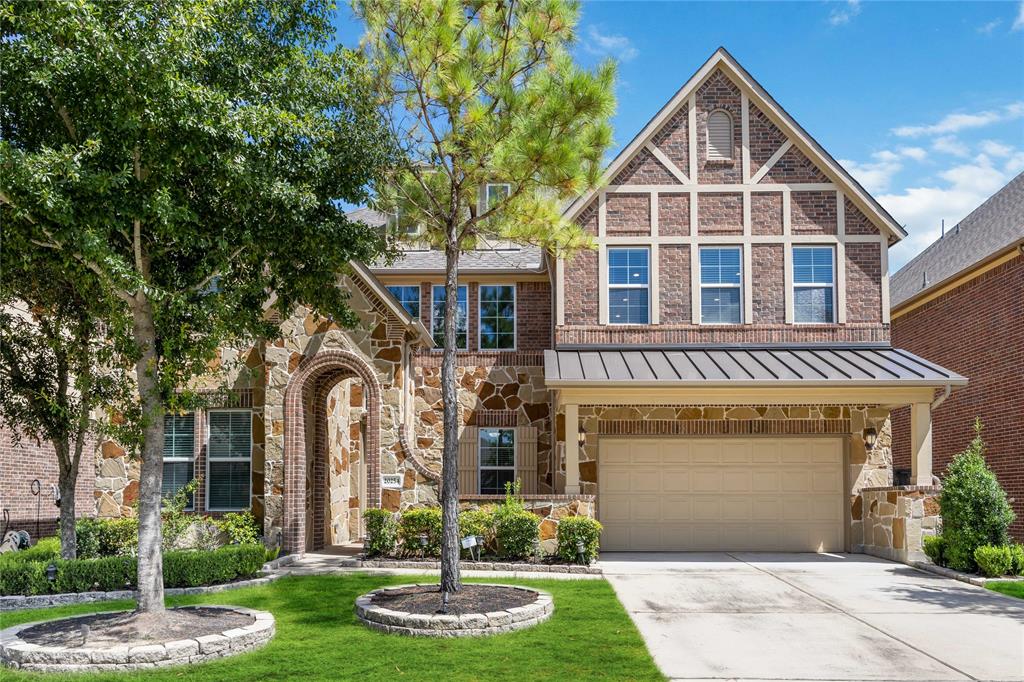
x: 719, y: 136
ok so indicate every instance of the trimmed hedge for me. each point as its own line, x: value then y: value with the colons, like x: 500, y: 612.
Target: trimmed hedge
x: 107, y: 537
x: 934, y: 546
x: 571, y: 530
x: 381, y: 532
x: 993, y: 562
x: 47, y: 549
x: 416, y: 522
x: 189, y: 568
x: 516, y: 532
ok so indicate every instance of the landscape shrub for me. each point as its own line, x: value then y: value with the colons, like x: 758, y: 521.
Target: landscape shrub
x: 241, y: 528
x: 975, y: 511
x: 97, y: 538
x: 1017, y: 557
x: 933, y: 547
x: 992, y: 561
x: 189, y: 568
x: 47, y: 549
x: 381, y: 532
x: 571, y: 530
x: 415, y: 522
x: 515, y: 529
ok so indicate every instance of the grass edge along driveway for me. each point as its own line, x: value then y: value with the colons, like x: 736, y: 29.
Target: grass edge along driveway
x: 589, y: 636
x: 1011, y: 588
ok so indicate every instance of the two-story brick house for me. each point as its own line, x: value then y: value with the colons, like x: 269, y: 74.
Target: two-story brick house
x: 715, y: 374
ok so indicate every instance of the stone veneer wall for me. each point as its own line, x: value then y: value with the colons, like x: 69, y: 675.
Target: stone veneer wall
x: 550, y: 508
x: 491, y: 393
x: 865, y: 468
x: 893, y: 520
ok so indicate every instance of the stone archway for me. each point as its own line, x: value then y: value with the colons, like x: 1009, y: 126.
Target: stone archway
x: 324, y: 369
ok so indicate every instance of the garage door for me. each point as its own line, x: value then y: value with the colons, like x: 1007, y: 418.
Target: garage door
x: 756, y: 494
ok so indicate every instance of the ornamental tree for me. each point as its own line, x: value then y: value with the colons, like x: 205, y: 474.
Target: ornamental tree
x: 61, y: 376
x: 476, y: 92
x: 191, y: 158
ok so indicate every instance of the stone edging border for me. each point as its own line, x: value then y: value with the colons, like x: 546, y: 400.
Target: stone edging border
x: 969, y: 578
x: 42, y: 601
x: 480, y: 566
x: 448, y: 625
x: 19, y: 654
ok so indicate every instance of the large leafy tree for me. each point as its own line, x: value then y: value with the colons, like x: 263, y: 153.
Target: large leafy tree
x: 475, y: 92
x: 61, y: 375
x: 191, y: 157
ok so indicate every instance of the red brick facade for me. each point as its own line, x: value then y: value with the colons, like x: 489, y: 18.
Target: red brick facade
x: 977, y: 330
x: 24, y: 462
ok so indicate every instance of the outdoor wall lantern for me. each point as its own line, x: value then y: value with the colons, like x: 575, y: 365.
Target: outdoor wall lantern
x: 870, y: 436
x: 582, y: 437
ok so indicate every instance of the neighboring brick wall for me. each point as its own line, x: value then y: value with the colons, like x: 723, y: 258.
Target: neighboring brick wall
x: 26, y: 461
x: 976, y: 330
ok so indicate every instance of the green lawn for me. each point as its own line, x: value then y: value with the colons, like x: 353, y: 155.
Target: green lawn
x: 1013, y: 588
x: 590, y: 636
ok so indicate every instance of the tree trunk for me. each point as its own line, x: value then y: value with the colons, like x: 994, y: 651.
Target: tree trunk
x: 67, y: 478
x: 451, y: 578
x: 151, y: 573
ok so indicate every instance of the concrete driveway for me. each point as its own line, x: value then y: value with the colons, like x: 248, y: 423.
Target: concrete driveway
x: 814, y: 617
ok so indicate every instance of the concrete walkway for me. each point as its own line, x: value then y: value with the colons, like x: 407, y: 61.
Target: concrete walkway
x: 815, y: 617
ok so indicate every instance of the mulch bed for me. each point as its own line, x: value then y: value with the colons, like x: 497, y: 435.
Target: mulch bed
x: 426, y: 599
x: 126, y: 629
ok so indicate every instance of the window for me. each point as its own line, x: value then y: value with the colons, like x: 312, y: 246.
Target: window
x: 497, y: 317
x: 495, y: 192
x: 720, y: 285
x: 461, y: 317
x: 813, y: 284
x: 409, y: 297
x: 179, y: 453
x: 628, y: 284
x: 497, y: 460
x: 229, y: 460
x: 719, y: 136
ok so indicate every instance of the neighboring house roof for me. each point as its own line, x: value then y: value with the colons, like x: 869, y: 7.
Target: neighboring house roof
x: 501, y: 259
x: 804, y: 142
x: 764, y: 365
x: 993, y: 227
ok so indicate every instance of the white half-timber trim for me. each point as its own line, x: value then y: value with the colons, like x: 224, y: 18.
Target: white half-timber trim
x: 883, y: 247
x: 840, y: 259
x: 772, y: 160
x: 745, y: 135
x: 667, y: 163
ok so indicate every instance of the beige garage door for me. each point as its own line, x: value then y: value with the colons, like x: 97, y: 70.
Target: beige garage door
x: 752, y: 494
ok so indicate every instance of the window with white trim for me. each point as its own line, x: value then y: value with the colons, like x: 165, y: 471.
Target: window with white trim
x: 409, y: 297
x: 497, y: 317
x: 495, y: 192
x: 497, y: 460
x: 721, y: 285
x: 629, y: 285
x: 179, y: 454
x: 720, y: 136
x: 813, y: 284
x: 229, y: 460
x: 461, y: 317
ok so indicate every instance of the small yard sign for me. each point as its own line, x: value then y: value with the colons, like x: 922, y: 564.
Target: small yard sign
x: 393, y: 481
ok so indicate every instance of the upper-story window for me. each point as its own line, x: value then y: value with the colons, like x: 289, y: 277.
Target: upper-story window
x: 721, y: 285
x: 497, y: 317
x: 495, y: 192
x: 813, y: 284
x: 720, y: 136
x: 461, y: 317
x: 409, y: 297
x: 497, y: 455
x: 229, y: 460
x: 628, y: 285
x: 179, y: 453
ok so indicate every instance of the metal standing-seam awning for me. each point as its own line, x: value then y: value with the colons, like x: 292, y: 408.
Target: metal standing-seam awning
x: 748, y: 366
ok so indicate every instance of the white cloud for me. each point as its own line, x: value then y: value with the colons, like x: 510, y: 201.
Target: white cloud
x: 842, y: 15
x: 953, y: 194
x: 915, y: 153
x: 989, y: 27
x: 950, y: 145
x: 1018, y: 23
x: 993, y: 148
x: 952, y: 123
x: 609, y: 44
x: 876, y: 175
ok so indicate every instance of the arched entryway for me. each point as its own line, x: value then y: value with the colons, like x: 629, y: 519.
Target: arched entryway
x: 307, y: 395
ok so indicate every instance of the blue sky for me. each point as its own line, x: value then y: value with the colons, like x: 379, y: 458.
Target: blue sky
x: 923, y: 102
